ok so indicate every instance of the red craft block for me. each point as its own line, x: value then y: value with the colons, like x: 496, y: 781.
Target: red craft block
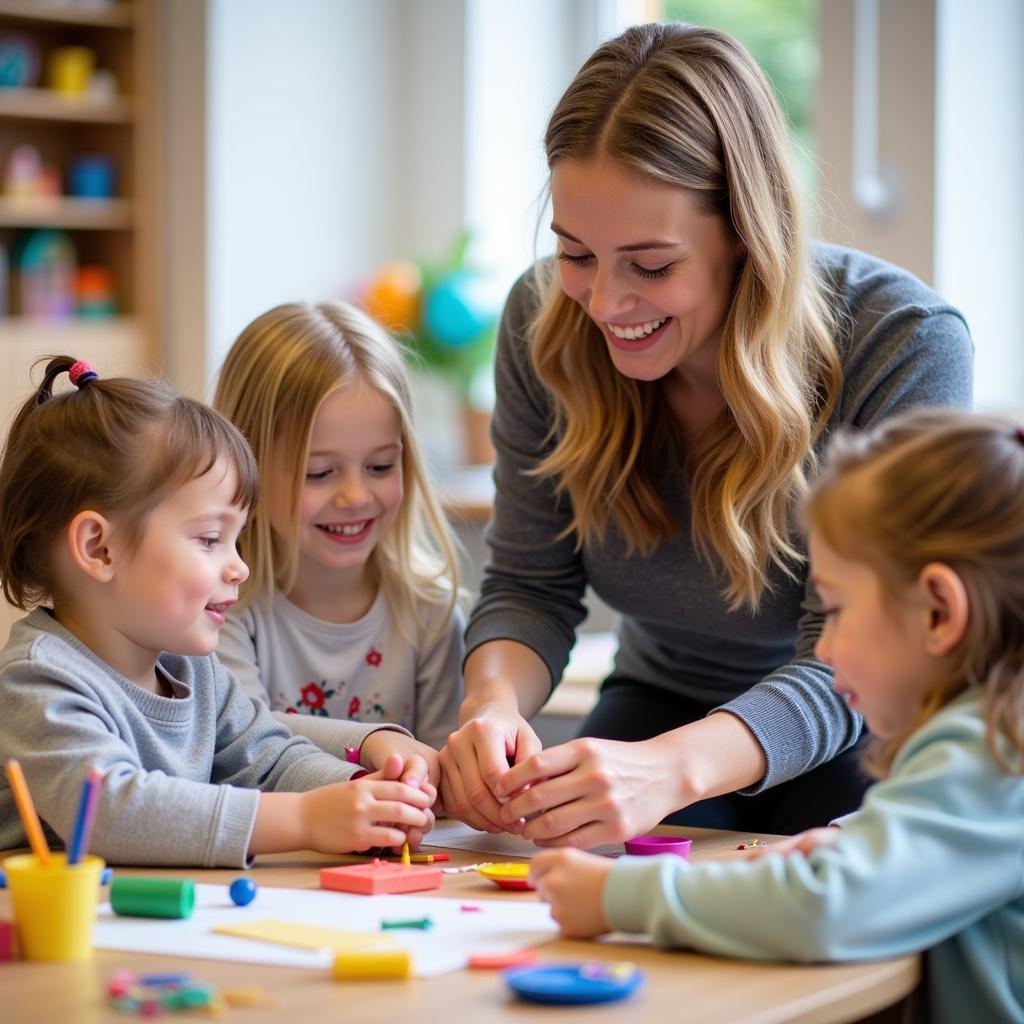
x: 6, y: 940
x: 379, y: 876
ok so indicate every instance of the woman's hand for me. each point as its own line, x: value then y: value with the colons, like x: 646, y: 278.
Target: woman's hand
x: 592, y: 791
x: 476, y: 757
x: 589, y: 791
x: 573, y: 883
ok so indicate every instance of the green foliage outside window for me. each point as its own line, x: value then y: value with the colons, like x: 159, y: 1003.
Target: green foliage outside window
x: 782, y: 35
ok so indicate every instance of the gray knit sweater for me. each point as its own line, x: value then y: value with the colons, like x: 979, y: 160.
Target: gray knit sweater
x: 901, y: 346
x: 182, y: 774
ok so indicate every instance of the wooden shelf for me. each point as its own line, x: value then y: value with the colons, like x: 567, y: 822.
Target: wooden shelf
x: 68, y: 212
x: 39, y: 12
x: 30, y: 337
x: 49, y: 105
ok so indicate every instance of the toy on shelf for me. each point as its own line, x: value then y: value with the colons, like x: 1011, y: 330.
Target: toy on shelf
x: 25, y: 174
x: 94, y: 292
x: 19, y: 62
x: 91, y: 176
x: 44, y: 266
x: 448, y: 313
x: 69, y: 69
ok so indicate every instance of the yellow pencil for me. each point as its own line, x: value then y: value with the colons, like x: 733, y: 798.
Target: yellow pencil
x: 405, y: 854
x: 27, y: 810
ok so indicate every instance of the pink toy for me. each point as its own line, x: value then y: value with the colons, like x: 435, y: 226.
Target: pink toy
x: 379, y: 876
x: 649, y: 846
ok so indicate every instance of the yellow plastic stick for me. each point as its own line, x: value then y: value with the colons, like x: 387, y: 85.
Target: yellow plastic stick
x: 405, y: 854
x: 360, y: 966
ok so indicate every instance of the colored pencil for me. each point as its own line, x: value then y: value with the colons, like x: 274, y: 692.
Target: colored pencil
x: 27, y: 810
x: 85, y: 817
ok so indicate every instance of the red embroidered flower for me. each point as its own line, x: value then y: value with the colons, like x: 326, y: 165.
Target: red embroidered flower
x: 353, y: 707
x: 374, y: 658
x: 312, y: 696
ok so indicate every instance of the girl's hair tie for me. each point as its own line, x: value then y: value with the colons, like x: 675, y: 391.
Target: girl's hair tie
x: 81, y: 372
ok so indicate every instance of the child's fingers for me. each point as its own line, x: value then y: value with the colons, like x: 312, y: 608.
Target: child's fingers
x: 415, y: 772
x: 542, y: 864
x: 383, y: 836
x: 392, y: 767
x: 396, y: 791
x: 397, y: 813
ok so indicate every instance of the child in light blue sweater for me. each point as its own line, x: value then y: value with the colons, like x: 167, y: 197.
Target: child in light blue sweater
x: 917, y: 552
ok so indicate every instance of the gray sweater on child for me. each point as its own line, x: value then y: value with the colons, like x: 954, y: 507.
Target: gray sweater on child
x: 901, y: 346
x: 182, y: 774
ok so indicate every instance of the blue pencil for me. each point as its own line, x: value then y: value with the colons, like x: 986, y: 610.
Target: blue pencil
x: 85, y: 816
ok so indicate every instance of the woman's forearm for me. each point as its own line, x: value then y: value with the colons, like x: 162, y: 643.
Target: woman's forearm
x: 504, y: 673
x: 715, y: 755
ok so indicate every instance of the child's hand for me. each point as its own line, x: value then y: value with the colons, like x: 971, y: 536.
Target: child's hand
x: 420, y: 763
x: 802, y: 842
x: 392, y: 771
x: 371, y: 811
x: 573, y: 883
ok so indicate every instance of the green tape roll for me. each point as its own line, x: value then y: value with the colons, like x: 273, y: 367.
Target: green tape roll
x: 153, y: 897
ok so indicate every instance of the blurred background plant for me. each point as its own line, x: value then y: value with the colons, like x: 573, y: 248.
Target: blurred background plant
x: 446, y: 313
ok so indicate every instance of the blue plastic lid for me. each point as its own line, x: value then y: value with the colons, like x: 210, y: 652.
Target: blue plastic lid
x: 574, y: 983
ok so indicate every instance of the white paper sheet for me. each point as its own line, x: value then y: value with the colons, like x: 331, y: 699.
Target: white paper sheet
x: 458, y: 835
x: 500, y: 925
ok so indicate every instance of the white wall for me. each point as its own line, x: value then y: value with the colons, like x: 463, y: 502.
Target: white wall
x: 979, y: 202
x: 305, y: 171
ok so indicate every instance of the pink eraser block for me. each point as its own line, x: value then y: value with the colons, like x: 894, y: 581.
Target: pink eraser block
x: 378, y: 877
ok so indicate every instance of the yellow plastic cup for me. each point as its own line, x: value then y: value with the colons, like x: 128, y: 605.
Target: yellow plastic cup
x: 70, y: 69
x: 54, y: 907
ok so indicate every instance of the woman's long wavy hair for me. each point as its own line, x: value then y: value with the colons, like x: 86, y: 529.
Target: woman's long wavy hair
x: 272, y: 384
x: 689, y: 106
x: 940, y: 486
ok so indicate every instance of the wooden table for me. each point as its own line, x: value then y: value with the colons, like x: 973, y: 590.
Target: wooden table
x: 689, y: 988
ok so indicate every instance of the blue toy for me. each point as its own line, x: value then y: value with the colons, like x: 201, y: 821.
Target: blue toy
x: 91, y: 176
x: 242, y: 891
x: 459, y: 308
x: 574, y: 983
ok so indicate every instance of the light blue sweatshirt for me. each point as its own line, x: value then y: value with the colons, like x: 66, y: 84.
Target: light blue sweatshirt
x: 933, y: 860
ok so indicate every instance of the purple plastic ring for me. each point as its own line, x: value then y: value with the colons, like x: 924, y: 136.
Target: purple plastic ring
x: 649, y: 846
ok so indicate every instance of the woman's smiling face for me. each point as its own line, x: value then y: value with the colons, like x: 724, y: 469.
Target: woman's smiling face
x: 648, y: 266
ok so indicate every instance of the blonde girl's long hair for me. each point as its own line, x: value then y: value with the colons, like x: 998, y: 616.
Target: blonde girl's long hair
x: 273, y: 381
x: 940, y: 486
x: 689, y: 107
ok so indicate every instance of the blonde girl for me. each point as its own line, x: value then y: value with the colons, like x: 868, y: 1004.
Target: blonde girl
x: 350, y: 611
x: 663, y: 387
x: 917, y: 550
x: 120, y: 506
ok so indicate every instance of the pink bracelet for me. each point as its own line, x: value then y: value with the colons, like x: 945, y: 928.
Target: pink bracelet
x: 352, y: 755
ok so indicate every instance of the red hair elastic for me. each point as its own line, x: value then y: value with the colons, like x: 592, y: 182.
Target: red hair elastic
x: 81, y: 372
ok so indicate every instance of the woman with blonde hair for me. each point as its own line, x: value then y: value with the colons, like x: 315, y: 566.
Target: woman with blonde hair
x: 351, y: 609
x: 662, y: 397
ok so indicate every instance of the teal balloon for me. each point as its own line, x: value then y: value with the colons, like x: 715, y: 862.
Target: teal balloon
x: 459, y: 308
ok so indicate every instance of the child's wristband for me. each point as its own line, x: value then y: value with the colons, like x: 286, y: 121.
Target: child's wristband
x: 352, y: 755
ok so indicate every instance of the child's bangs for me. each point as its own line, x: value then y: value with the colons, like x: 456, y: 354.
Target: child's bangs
x: 189, y: 445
